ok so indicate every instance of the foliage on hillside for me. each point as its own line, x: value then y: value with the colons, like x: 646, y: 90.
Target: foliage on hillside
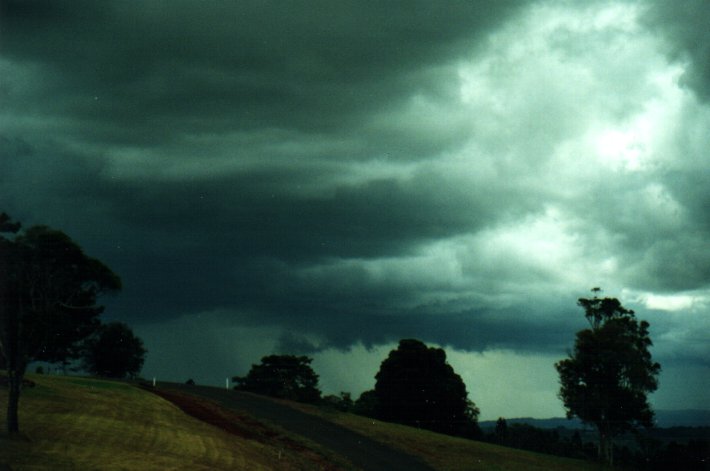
x: 283, y: 376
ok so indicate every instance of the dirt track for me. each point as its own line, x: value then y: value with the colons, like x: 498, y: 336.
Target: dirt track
x: 361, y: 451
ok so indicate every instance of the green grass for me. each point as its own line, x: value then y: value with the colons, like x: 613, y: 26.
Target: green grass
x: 447, y: 453
x: 70, y: 423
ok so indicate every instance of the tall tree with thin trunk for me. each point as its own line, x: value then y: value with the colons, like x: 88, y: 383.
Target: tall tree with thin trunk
x: 8, y: 318
x: 606, y: 379
x: 48, y: 294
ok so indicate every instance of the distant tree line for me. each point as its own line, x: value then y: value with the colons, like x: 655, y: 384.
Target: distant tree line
x: 649, y: 451
x: 551, y: 441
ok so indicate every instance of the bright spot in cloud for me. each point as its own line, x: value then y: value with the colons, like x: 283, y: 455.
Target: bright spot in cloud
x: 669, y: 303
x: 619, y: 149
x: 688, y: 301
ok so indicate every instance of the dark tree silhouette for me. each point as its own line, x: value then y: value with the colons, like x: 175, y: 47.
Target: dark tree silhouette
x: 113, y: 351
x: 417, y: 387
x: 607, y: 377
x: 366, y: 404
x: 344, y: 402
x: 48, y: 294
x: 284, y: 376
x: 500, y: 434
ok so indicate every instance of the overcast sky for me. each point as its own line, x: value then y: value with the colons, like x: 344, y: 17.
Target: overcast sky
x: 325, y: 178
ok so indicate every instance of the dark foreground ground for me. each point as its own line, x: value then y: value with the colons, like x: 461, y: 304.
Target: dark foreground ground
x: 359, y: 450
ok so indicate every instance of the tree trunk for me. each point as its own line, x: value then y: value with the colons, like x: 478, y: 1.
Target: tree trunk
x: 606, y: 448
x: 16, y: 364
x: 14, y: 383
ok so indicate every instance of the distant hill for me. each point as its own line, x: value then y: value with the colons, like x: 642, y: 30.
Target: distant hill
x: 664, y: 419
x: 683, y: 418
x: 554, y: 422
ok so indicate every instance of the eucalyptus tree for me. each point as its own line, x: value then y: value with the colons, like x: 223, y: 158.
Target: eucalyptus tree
x: 606, y: 379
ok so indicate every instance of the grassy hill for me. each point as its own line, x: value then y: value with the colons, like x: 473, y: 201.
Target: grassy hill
x: 72, y: 423
x: 450, y: 453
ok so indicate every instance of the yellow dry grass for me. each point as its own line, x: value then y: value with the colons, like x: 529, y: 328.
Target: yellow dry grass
x: 447, y: 453
x: 71, y: 423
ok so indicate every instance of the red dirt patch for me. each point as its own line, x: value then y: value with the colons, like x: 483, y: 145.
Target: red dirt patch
x: 242, y: 426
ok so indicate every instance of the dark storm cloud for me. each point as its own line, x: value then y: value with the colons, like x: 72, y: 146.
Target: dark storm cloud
x: 475, y: 330
x: 29, y: 172
x: 244, y: 242
x: 113, y: 75
x: 685, y: 24
x: 235, y: 243
x: 242, y: 215
x: 166, y: 67
x: 658, y: 231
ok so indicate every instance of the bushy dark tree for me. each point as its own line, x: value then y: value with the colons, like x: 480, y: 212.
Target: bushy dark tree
x: 114, y: 352
x: 416, y: 386
x: 607, y: 377
x: 343, y: 402
x: 366, y: 404
x: 283, y: 376
x: 48, y: 294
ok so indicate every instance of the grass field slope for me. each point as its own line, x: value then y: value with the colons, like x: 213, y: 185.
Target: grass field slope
x: 72, y: 423
x: 447, y: 453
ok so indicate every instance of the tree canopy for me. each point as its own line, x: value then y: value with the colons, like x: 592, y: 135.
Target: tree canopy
x: 416, y: 386
x: 283, y: 376
x: 48, y: 300
x: 113, y: 351
x: 606, y: 379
